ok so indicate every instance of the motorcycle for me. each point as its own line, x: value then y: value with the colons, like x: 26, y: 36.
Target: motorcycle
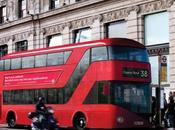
x: 43, y: 122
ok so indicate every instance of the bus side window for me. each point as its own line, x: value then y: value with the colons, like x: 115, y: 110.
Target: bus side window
x: 103, y: 93
x: 92, y: 97
x: 28, y: 62
x: 41, y: 93
x: 2, y: 65
x: 66, y: 56
x: 18, y: 95
x: 28, y: 97
x: 55, y: 59
x: 6, y: 97
x: 7, y: 64
x: 40, y: 60
x: 99, y: 53
x: 60, y: 58
x: 60, y: 96
x: 16, y: 63
x: 52, y: 96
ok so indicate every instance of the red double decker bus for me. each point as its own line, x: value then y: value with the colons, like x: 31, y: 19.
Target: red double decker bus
x: 95, y: 84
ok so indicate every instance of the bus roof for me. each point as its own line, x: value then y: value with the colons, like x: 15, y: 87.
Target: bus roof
x: 88, y: 44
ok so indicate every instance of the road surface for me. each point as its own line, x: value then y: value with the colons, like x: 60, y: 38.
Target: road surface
x: 4, y: 127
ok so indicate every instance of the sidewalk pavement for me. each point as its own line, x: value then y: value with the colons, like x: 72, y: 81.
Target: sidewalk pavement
x: 3, y: 125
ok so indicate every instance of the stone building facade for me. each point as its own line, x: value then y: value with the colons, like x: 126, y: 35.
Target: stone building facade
x: 31, y: 24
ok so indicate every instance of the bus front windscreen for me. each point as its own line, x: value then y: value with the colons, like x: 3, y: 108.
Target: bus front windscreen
x: 128, y: 53
x: 134, y: 97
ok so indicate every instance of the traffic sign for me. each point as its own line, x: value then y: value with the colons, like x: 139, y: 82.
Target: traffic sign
x: 163, y: 59
x: 163, y: 68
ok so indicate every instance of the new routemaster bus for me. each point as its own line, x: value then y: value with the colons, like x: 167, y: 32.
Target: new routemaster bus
x: 95, y: 84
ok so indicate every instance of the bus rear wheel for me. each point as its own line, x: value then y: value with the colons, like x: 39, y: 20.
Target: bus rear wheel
x: 11, y: 121
x: 80, y: 122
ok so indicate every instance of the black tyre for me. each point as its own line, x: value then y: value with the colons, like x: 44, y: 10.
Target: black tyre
x: 11, y: 121
x: 80, y: 122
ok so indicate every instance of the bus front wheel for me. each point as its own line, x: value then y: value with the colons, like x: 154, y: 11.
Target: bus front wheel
x: 80, y: 122
x: 11, y: 121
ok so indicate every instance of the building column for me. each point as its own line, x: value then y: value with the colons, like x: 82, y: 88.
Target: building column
x: 30, y: 40
x: 36, y: 7
x: 37, y: 33
x: 66, y: 35
x: 172, y: 45
x: 42, y: 38
x: 96, y: 28
x: 71, y: 34
x: 10, y: 45
x: 45, y: 5
x: 140, y: 30
x: 132, y: 26
x: 42, y: 6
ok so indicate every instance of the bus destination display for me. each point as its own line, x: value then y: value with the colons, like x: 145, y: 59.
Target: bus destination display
x: 135, y: 73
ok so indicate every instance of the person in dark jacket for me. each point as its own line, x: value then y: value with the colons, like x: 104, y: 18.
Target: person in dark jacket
x: 163, y: 110
x: 170, y: 112
x: 154, y: 110
x: 40, y: 106
x: 41, y: 111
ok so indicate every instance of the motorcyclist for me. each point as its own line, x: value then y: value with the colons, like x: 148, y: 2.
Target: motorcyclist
x: 40, y: 106
x: 41, y: 110
x: 42, y: 118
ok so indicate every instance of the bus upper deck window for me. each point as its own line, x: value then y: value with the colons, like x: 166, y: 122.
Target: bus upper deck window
x: 28, y: 62
x: 1, y: 64
x: 99, y: 53
x: 40, y: 60
x: 66, y: 56
x: 16, y: 63
x: 55, y: 59
x: 7, y: 64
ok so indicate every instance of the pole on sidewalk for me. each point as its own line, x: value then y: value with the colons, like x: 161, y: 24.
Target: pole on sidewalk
x: 158, y: 89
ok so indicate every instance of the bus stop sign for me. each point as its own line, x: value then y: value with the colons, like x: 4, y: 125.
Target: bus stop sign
x: 163, y: 59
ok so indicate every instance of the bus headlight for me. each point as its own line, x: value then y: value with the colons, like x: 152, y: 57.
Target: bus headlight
x: 120, y: 119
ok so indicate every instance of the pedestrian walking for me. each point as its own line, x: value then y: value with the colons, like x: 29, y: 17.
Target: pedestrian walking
x: 171, y: 113
x: 163, y: 110
x: 154, y: 110
x: 170, y: 95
